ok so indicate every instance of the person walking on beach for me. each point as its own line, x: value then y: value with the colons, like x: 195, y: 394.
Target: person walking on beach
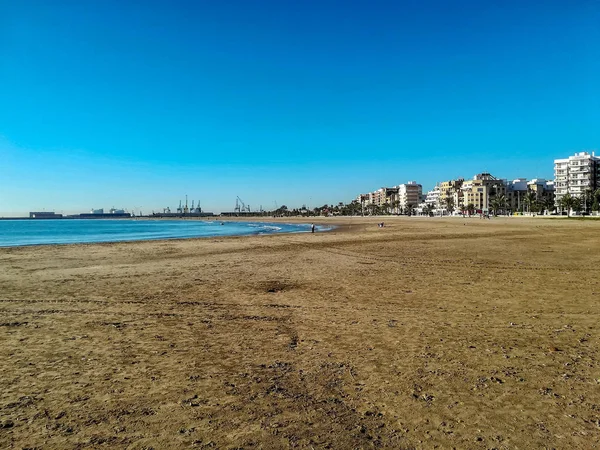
x: 312, y: 227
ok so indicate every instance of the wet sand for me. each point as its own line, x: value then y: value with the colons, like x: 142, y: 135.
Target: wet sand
x: 429, y: 332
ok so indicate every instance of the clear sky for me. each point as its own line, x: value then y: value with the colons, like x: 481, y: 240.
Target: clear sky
x: 136, y: 103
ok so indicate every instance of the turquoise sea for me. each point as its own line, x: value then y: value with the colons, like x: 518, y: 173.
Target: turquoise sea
x: 71, y: 231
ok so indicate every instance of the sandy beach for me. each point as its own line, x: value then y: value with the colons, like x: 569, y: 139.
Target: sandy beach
x: 426, y: 333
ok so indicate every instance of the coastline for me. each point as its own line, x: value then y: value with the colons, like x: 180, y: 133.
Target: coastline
x: 425, y: 332
x: 58, y: 235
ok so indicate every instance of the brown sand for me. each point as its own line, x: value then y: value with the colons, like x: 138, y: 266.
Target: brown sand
x: 429, y: 332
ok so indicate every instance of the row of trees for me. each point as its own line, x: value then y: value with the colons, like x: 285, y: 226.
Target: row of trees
x: 590, y: 201
x: 354, y: 208
x: 531, y: 204
x: 587, y: 203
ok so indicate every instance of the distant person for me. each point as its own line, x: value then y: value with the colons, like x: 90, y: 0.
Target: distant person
x: 312, y: 227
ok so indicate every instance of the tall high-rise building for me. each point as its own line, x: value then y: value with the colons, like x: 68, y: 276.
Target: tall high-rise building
x: 576, y: 174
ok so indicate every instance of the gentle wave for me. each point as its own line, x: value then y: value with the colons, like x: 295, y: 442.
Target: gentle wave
x: 72, y: 231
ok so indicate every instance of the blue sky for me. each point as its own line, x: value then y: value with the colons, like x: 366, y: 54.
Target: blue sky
x: 134, y: 104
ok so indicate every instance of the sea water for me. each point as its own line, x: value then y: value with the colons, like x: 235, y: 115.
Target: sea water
x: 72, y: 231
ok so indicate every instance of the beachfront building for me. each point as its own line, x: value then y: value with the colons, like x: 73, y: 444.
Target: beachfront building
x: 429, y: 202
x: 516, y: 192
x: 528, y: 196
x: 543, y: 191
x: 378, y: 197
x: 377, y: 201
x: 409, y: 195
x: 432, y: 198
x: 450, y: 197
x: 575, y: 175
x: 362, y: 200
x: 391, y: 199
x: 481, y: 191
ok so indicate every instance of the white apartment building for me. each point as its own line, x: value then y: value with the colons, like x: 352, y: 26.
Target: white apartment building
x: 433, y: 197
x: 410, y: 194
x: 576, y: 174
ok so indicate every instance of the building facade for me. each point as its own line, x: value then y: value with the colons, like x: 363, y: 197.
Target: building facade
x: 395, y: 199
x: 543, y: 189
x: 516, y: 191
x: 481, y: 191
x: 576, y: 174
x: 451, y: 194
x: 432, y: 198
x: 409, y: 195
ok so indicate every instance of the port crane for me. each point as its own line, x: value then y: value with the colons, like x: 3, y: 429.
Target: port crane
x: 240, y: 206
x: 186, y: 209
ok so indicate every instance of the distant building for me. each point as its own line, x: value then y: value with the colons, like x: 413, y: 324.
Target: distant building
x: 396, y: 198
x: 102, y: 215
x: 379, y: 197
x: 543, y: 189
x: 516, y: 190
x: 481, y: 190
x: 451, y: 195
x: 44, y: 215
x: 409, y: 195
x: 576, y: 174
x: 432, y: 198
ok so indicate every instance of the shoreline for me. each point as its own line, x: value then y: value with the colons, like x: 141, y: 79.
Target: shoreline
x: 327, y: 228
x: 337, y: 223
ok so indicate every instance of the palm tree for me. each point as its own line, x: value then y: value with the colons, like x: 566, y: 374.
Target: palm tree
x: 450, y: 205
x: 587, y: 199
x: 577, y: 204
x: 498, y: 203
x: 595, y: 205
x: 529, y: 200
x: 494, y: 206
x: 549, y: 203
x: 502, y: 202
x: 566, y: 202
x: 470, y: 209
x: 596, y: 200
x: 386, y: 208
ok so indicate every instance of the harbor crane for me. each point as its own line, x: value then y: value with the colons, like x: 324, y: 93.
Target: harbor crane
x: 240, y: 206
x: 186, y: 209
